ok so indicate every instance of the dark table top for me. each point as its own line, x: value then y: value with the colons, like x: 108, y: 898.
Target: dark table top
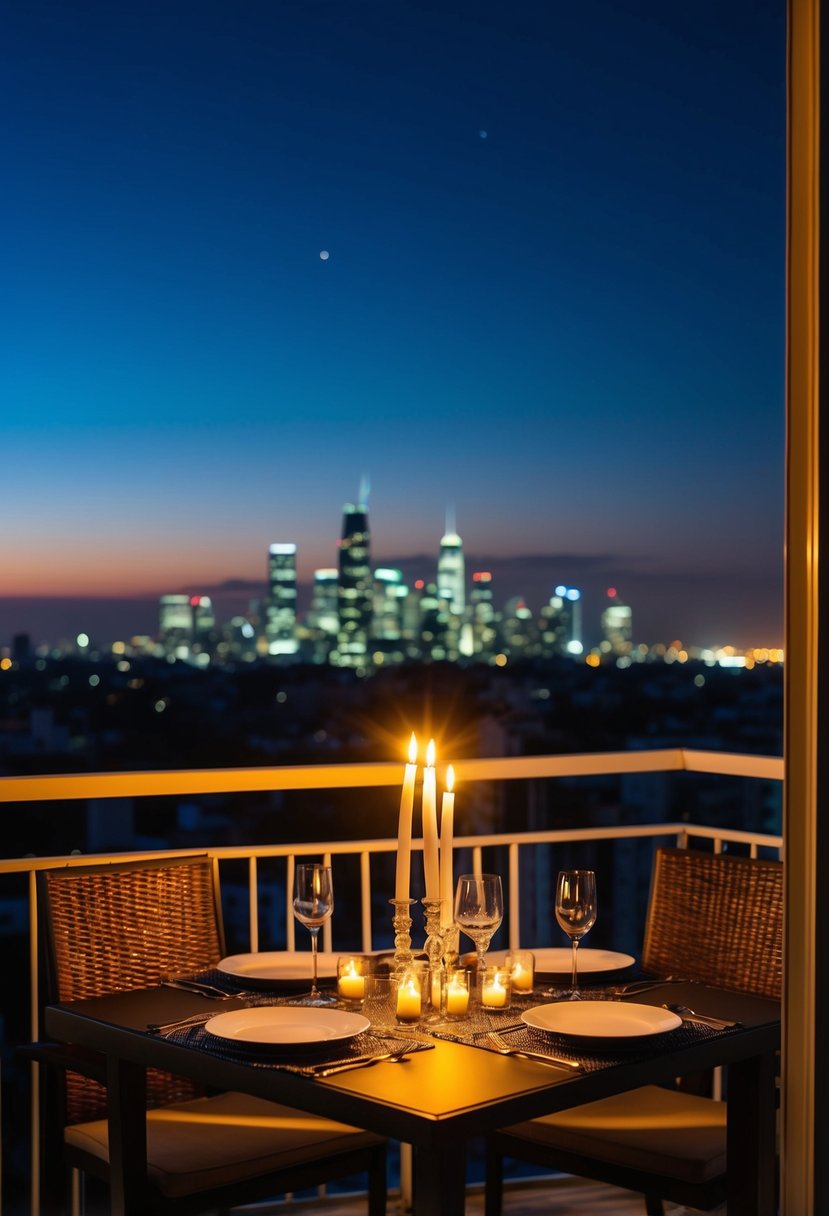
x: 435, y: 1097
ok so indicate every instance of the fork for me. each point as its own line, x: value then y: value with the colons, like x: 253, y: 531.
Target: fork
x: 393, y: 1056
x: 494, y: 1040
x: 198, y: 986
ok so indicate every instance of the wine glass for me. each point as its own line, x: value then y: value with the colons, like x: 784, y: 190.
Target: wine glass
x: 313, y: 904
x: 479, y: 910
x: 576, y: 913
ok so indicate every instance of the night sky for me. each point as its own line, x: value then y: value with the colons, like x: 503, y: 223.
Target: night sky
x: 523, y: 261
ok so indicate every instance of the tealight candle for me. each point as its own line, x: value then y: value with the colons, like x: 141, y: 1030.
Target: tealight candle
x: 495, y: 991
x: 408, y: 998
x: 521, y: 966
x: 457, y: 994
x: 351, y: 982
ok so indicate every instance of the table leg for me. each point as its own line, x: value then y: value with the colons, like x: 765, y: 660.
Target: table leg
x: 752, y: 1183
x: 127, y: 1119
x: 440, y: 1180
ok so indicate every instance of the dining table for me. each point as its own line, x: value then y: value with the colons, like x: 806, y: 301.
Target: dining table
x: 440, y: 1099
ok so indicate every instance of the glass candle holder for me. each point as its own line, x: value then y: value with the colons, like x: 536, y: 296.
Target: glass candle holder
x: 380, y: 1004
x: 521, y: 966
x: 412, y: 992
x: 456, y: 995
x: 496, y: 989
x: 351, y: 978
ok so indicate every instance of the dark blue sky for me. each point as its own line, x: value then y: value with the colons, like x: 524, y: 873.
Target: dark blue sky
x: 554, y: 298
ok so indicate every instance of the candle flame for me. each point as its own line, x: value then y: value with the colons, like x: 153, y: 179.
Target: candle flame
x: 430, y: 754
x: 413, y: 749
x: 450, y: 779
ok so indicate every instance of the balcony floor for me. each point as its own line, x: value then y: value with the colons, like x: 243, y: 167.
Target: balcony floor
x: 560, y: 1196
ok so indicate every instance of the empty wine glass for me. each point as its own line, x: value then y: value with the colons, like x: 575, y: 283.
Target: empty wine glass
x: 313, y: 904
x: 479, y: 910
x: 576, y: 913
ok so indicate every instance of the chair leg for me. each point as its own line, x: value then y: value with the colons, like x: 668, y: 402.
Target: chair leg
x: 377, y: 1182
x: 653, y: 1206
x: 494, y: 1187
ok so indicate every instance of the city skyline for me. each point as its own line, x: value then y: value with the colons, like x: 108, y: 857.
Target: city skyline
x: 551, y: 298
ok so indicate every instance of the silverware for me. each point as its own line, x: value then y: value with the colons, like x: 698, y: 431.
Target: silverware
x: 479, y: 1034
x: 690, y: 1015
x: 329, y: 1070
x: 203, y: 989
x: 503, y: 1048
x: 195, y: 1019
x: 643, y: 985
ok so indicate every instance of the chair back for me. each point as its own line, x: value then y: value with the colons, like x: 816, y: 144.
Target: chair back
x: 716, y: 919
x: 112, y: 928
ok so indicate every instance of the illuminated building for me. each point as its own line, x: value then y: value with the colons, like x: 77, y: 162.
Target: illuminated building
x: 389, y: 595
x: 451, y: 570
x: 280, y: 609
x: 323, y: 615
x: 175, y: 624
x: 617, y: 626
x: 518, y: 629
x: 483, y: 620
x: 561, y: 623
x: 355, y: 590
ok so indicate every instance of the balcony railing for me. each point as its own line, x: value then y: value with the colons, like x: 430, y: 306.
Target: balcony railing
x: 511, y: 846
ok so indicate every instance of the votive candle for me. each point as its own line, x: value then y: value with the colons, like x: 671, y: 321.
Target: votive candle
x: 457, y: 994
x: 495, y: 993
x: 408, y: 998
x: 351, y: 984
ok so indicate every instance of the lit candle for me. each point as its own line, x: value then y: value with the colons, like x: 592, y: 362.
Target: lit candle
x: 495, y: 993
x: 408, y: 999
x: 404, y: 827
x: 457, y: 997
x: 522, y: 978
x: 431, y: 869
x: 521, y: 966
x: 350, y: 984
x: 447, y: 831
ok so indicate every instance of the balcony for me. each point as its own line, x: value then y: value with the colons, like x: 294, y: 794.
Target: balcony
x: 257, y: 878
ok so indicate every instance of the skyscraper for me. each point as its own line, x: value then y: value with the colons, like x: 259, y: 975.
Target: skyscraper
x: 280, y: 610
x: 175, y: 624
x: 355, y: 589
x: 561, y: 622
x: 451, y: 569
x: 617, y: 625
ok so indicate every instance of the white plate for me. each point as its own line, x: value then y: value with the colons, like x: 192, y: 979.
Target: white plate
x: 601, y: 1019
x: 285, y: 1026
x: 556, y: 960
x: 269, y: 967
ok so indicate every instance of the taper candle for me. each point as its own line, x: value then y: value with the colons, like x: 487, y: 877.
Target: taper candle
x: 404, y: 827
x: 447, y: 835
x: 431, y: 869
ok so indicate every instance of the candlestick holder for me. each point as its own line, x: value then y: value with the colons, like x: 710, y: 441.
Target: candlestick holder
x: 402, y: 923
x: 435, y: 947
x: 451, y: 945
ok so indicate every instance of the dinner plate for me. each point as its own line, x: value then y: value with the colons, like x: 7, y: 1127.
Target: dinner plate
x: 286, y: 1026
x: 556, y: 960
x: 273, y: 968
x: 601, y: 1019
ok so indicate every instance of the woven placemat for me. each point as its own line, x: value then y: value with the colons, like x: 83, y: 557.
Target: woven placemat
x: 592, y: 1058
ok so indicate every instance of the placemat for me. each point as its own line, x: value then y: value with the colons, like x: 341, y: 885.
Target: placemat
x: 591, y: 1057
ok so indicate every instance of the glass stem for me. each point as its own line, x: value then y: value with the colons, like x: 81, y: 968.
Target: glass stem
x: 314, y: 935
x: 574, y: 983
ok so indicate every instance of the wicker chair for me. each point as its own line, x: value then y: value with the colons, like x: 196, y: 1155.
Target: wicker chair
x: 118, y: 927
x: 712, y: 918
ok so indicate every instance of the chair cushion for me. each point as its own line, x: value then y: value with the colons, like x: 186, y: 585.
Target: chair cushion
x: 658, y: 1131
x: 210, y: 1142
